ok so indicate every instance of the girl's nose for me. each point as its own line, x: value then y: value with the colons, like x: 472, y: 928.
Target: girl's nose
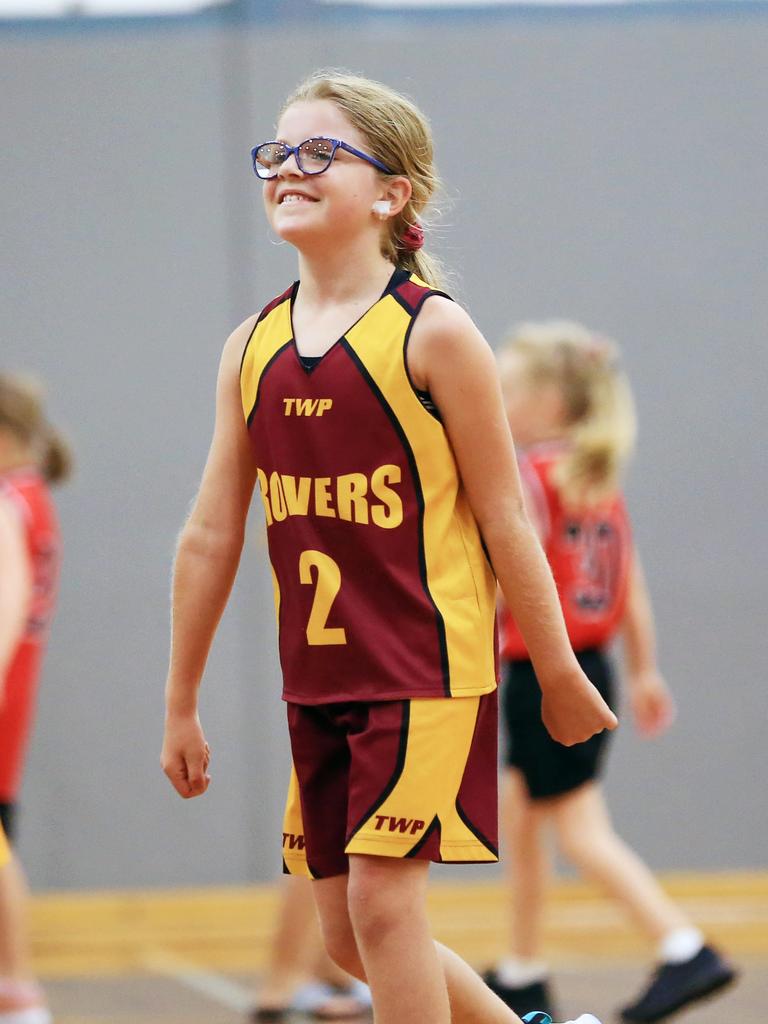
x: 289, y: 166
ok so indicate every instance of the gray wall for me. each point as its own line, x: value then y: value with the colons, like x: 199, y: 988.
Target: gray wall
x: 599, y: 166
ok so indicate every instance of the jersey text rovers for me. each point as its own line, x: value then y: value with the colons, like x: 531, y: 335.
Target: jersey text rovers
x: 383, y: 590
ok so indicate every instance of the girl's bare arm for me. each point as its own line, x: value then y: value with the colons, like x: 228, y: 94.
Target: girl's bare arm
x: 449, y: 357
x: 15, y: 584
x: 652, y: 703
x: 207, y: 558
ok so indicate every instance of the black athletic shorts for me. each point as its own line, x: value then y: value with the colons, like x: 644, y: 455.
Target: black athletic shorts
x: 549, y: 768
x: 8, y: 821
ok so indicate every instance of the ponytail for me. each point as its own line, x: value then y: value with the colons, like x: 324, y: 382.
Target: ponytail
x: 56, y: 460
x: 423, y: 265
x: 601, y: 441
x: 22, y: 415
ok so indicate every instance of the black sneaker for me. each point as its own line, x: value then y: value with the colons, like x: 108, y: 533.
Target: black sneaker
x: 524, y: 999
x: 674, y: 986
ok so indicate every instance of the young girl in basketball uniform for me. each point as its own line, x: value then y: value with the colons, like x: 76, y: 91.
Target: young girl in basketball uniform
x: 366, y: 405
x: 571, y: 411
x: 32, y: 456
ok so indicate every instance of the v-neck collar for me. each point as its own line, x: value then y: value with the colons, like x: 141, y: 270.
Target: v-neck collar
x: 397, y: 277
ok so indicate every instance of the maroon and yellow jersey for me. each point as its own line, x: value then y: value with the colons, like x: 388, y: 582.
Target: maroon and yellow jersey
x: 28, y: 494
x: 382, y: 587
x: 589, y: 550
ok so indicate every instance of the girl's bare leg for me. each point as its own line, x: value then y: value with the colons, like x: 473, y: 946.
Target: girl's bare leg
x: 292, y: 946
x: 14, y: 942
x: 18, y: 990
x: 375, y: 926
x: 297, y: 953
x: 586, y: 837
x: 527, y: 865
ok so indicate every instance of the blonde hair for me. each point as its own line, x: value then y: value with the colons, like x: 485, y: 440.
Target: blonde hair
x: 23, y: 416
x: 398, y: 135
x: 597, y: 398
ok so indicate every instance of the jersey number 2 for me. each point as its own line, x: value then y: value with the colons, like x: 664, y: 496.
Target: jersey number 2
x: 327, y: 586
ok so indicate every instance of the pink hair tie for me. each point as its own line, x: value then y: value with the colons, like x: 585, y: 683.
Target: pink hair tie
x: 412, y: 238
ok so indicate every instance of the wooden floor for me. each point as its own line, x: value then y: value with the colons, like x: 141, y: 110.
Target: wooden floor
x: 195, y: 956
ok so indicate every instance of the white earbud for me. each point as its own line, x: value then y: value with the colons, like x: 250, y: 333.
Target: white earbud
x: 382, y: 207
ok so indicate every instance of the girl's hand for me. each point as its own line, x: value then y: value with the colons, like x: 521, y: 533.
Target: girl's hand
x: 652, y: 705
x: 185, y: 755
x: 573, y: 710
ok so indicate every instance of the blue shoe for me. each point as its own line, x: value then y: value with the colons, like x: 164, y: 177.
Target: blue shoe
x: 674, y: 986
x: 537, y: 1017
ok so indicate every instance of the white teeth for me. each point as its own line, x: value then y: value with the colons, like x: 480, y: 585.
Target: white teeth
x: 293, y: 197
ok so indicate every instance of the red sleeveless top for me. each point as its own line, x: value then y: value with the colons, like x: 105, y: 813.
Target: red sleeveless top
x: 589, y: 550
x: 28, y: 493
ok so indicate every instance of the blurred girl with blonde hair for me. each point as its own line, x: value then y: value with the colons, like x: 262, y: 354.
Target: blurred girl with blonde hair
x: 570, y: 408
x: 33, y: 456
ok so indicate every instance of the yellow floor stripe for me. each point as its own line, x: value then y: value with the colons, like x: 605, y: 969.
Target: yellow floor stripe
x: 228, y: 929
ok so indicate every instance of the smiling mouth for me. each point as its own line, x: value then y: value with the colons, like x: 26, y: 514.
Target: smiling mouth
x: 294, y: 197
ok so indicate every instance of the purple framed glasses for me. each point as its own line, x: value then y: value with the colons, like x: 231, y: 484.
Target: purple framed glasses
x: 313, y: 156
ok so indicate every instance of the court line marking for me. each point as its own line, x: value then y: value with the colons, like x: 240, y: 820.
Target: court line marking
x: 216, y: 987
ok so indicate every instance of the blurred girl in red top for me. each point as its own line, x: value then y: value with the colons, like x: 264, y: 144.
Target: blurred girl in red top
x: 32, y: 455
x: 571, y: 412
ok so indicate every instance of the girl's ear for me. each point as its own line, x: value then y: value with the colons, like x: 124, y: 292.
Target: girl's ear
x: 398, y: 192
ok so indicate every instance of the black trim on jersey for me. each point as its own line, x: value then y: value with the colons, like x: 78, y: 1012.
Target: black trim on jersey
x: 287, y: 294
x: 308, y: 362
x: 433, y: 411
x: 475, y: 830
x: 439, y: 622
x: 310, y: 369
x: 261, y: 380
x: 434, y: 824
x: 400, y: 276
x: 242, y: 357
x: 287, y: 870
x: 264, y: 314
x: 426, y: 400
x: 396, y: 773
x: 397, y: 277
x: 487, y: 554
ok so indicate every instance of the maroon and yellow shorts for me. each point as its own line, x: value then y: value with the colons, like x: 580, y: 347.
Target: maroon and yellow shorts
x: 406, y: 778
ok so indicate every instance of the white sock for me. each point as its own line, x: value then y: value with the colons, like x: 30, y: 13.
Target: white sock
x: 517, y: 972
x: 32, y: 1015
x: 680, y: 945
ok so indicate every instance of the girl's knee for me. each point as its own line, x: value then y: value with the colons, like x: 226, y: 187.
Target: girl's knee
x: 582, y: 826
x: 382, y: 900
x: 341, y: 947
x: 581, y: 844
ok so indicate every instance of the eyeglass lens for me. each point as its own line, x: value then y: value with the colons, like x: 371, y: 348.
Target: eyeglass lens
x: 313, y: 156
